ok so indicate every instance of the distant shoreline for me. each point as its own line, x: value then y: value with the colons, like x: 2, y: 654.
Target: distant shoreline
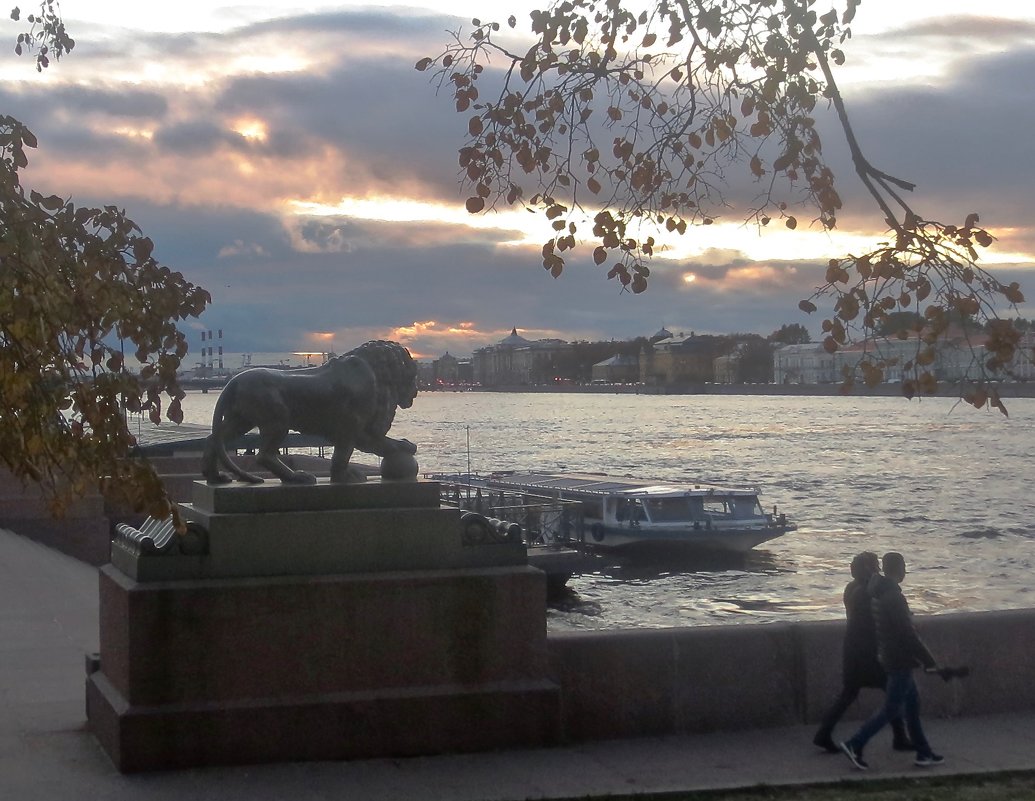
x: 1020, y: 390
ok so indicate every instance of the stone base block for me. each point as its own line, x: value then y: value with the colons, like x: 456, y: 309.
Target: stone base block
x: 317, y: 529
x: 239, y: 670
x: 403, y: 722
x: 234, y: 639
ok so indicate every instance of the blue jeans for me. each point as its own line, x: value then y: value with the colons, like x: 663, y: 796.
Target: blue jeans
x: 900, y: 698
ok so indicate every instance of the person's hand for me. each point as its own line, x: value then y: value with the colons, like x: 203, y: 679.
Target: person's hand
x: 949, y: 673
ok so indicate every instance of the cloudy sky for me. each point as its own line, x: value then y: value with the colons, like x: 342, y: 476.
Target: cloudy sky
x: 292, y: 161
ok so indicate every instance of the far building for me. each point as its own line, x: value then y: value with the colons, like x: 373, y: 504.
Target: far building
x: 726, y: 369
x: 449, y: 371
x: 618, y: 369
x: 803, y: 364
x: 516, y: 361
x: 425, y: 374
x: 679, y: 360
x: 958, y: 358
x: 445, y: 371
x: 663, y: 333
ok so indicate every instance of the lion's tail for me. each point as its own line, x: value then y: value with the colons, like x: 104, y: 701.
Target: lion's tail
x: 215, y: 449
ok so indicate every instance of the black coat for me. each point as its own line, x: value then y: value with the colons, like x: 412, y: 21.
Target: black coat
x: 899, y: 647
x: 860, y: 667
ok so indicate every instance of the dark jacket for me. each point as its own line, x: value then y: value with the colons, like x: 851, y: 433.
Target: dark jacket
x: 899, y: 647
x: 860, y: 666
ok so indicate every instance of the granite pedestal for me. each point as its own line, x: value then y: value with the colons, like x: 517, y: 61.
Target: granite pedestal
x: 319, y: 622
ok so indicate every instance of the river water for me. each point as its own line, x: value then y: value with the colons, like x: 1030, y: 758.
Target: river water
x: 950, y: 487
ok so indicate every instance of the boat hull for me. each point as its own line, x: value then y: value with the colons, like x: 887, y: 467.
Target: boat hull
x: 614, y: 538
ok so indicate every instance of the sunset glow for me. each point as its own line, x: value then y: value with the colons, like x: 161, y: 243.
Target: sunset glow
x: 291, y: 159
x: 251, y: 129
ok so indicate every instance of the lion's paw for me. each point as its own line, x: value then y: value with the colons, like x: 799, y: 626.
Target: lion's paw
x: 302, y: 477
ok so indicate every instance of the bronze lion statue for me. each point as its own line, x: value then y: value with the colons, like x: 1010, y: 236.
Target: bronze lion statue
x: 350, y: 401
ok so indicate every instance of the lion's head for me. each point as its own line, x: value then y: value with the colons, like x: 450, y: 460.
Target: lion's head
x: 394, y: 368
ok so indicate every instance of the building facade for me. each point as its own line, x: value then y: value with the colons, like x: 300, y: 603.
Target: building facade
x: 679, y: 361
x: 959, y: 358
x: 516, y: 361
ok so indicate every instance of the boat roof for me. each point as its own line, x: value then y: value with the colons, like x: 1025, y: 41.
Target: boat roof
x: 600, y: 484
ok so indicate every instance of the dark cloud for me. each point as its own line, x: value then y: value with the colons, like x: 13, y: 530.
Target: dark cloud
x: 972, y: 29
x: 382, y: 116
x: 367, y: 24
x: 192, y: 138
x: 363, y: 122
x: 963, y: 140
x: 337, y: 233
x: 63, y: 116
x: 116, y: 101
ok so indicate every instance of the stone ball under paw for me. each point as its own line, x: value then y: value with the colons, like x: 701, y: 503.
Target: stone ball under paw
x: 399, y: 466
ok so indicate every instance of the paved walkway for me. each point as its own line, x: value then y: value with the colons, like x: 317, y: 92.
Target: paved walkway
x: 48, y: 621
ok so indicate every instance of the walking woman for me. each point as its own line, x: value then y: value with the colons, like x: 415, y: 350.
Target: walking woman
x: 860, y: 667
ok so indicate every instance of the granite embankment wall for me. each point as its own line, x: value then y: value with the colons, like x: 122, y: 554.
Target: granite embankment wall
x: 638, y: 683
x: 952, y: 391
x: 82, y: 531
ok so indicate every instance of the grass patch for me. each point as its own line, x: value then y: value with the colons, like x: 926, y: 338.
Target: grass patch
x: 1011, y: 786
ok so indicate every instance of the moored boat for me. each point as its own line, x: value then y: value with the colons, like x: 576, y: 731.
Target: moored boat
x: 608, y: 513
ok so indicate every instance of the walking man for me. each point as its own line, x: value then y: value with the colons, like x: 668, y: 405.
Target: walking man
x: 859, y: 665
x: 899, y: 650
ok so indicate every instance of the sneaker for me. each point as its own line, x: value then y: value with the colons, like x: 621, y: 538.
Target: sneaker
x: 928, y: 760
x: 826, y: 744
x: 855, y: 757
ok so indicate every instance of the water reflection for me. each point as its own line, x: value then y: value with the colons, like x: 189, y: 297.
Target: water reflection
x: 666, y: 563
x: 947, y: 486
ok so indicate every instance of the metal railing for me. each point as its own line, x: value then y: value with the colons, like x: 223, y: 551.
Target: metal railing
x: 543, y: 520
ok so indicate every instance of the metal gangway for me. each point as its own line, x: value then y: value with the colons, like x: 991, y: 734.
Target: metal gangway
x: 543, y: 520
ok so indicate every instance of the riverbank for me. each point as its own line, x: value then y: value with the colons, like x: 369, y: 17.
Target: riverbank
x: 50, y: 607
x: 1011, y: 390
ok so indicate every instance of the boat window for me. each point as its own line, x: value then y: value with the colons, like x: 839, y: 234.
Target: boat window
x: 696, y: 508
x: 668, y: 510
x: 717, y: 507
x: 745, y: 507
x: 593, y: 510
x: 629, y: 510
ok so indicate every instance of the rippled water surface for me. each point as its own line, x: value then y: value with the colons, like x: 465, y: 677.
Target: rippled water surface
x: 948, y: 486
